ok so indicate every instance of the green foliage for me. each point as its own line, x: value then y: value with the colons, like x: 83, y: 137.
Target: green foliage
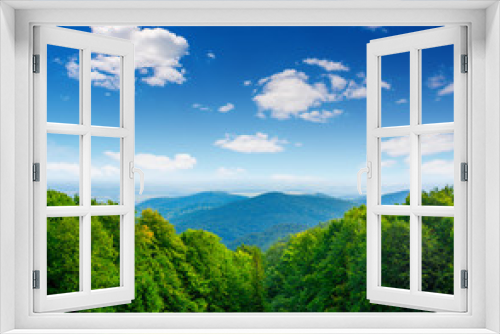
x: 321, y: 269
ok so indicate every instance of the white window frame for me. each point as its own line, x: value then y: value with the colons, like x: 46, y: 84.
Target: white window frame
x: 86, y: 44
x: 484, y: 308
x: 414, y: 43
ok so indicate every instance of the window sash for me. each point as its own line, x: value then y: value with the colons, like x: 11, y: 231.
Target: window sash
x: 86, y: 297
x: 413, y: 43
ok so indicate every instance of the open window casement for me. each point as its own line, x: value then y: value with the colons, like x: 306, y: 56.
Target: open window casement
x: 416, y: 134
x: 81, y: 293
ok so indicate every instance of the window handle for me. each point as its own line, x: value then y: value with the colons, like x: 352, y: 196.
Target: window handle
x: 133, y: 170
x: 368, y: 171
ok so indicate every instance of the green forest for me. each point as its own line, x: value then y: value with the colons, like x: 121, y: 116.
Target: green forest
x: 322, y: 269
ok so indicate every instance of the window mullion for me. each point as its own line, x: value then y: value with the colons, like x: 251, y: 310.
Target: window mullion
x: 414, y: 171
x: 85, y: 232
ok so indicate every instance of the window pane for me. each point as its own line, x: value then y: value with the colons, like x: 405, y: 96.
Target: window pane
x: 105, y: 252
x: 437, y: 84
x: 437, y: 254
x: 396, y: 251
x: 106, y: 162
x: 63, y: 85
x: 437, y: 169
x: 395, y: 170
x: 105, y: 93
x: 395, y: 89
x: 63, y: 170
x: 63, y: 255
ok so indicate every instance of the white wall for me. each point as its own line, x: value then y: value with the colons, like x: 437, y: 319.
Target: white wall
x: 492, y: 165
x: 7, y: 163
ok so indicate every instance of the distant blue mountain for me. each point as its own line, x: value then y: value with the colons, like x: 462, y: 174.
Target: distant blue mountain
x: 257, y: 214
x: 259, y: 220
x: 172, y: 207
x: 398, y: 197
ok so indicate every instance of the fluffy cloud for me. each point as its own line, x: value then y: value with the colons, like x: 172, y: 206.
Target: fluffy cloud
x: 320, y: 116
x: 430, y: 144
x: 388, y: 163
x: 200, y: 107
x: 288, y: 93
x: 247, y: 83
x: 337, y: 82
x: 436, y: 81
x: 226, y: 108
x: 376, y: 28
x: 290, y: 178
x: 401, y: 101
x: 159, y: 162
x: 157, y: 53
x: 224, y: 172
x: 258, y: 143
x: 326, y: 64
x: 65, y: 170
x: 438, y: 167
x: 448, y: 89
x: 355, y: 90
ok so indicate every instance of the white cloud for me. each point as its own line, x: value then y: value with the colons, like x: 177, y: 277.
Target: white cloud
x: 159, y: 162
x: 327, y: 65
x: 156, y: 49
x: 106, y: 171
x: 388, y: 163
x: 401, y: 101
x: 224, y: 172
x: 376, y: 28
x: 320, y: 116
x: 65, y: 170
x: 247, y: 83
x: 211, y: 55
x: 385, y: 85
x: 430, y: 144
x: 290, y: 178
x: 436, y: 81
x: 355, y: 90
x: 258, y: 143
x: 226, y: 108
x: 288, y: 93
x: 438, y: 167
x: 337, y: 82
x: 64, y: 167
x: 200, y: 107
x: 446, y: 90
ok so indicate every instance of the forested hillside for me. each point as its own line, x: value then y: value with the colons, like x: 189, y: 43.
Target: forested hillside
x: 322, y: 269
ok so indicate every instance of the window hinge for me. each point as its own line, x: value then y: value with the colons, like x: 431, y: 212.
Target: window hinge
x: 465, y: 64
x: 36, y: 279
x: 36, y: 63
x: 465, y: 279
x: 464, y: 171
x: 36, y: 172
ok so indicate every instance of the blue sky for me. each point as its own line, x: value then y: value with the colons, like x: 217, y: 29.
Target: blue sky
x: 248, y: 110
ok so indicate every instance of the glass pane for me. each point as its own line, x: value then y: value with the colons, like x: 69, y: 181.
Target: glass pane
x: 395, y: 89
x: 395, y: 170
x: 63, y: 255
x: 437, y: 254
x: 437, y: 84
x: 63, y: 85
x: 106, y: 162
x: 63, y: 170
x: 105, y: 252
x: 437, y: 170
x: 396, y: 251
x: 105, y: 93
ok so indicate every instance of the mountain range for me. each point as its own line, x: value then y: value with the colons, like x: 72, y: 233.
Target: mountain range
x: 259, y: 220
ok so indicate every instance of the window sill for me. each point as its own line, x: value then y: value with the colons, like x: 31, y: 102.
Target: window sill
x: 251, y: 331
